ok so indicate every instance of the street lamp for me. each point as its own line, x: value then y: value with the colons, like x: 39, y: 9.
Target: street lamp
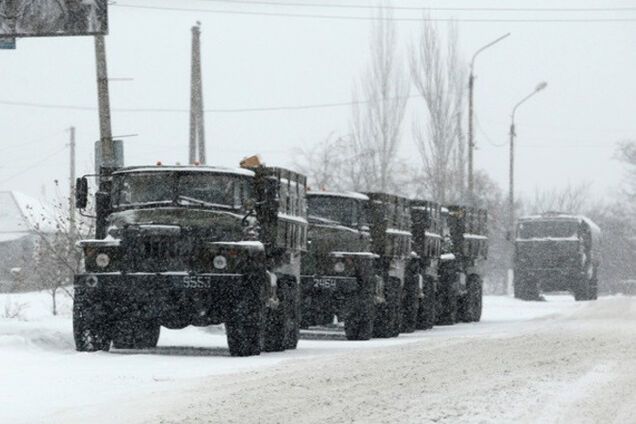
x: 511, y: 229
x: 471, y: 144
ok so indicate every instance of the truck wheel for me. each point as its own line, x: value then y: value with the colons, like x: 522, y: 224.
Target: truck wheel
x: 293, y: 318
x: 135, y: 333
x: 446, y: 310
x: 582, y: 290
x: 245, y: 323
x: 276, y: 320
x: 526, y: 288
x: 359, y: 315
x: 471, y: 305
x: 426, y: 305
x: 387, y: 316
x: 90, y: 325
x: 410, y: 302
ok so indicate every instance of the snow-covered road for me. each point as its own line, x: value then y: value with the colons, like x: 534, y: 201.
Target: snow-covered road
x: 554, y: 361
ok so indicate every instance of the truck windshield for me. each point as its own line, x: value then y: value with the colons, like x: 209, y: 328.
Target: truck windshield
x: 198, y: 189
x: 339, y: 210
x: 545, y: 229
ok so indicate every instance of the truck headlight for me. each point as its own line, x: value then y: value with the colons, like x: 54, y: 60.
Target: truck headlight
x: 219, y: 262
x: 339, y: 267
x: 102, y: 260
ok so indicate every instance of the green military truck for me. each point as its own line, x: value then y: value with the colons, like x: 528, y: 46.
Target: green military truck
x: 418, y: 307
x: 390, y: 227
x: 464, y: 250
x: 556, y: 252
x: 338, y: 272
x: 192, y: 245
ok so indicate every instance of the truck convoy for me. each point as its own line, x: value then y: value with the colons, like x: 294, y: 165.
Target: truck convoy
x: 556, y: 252
x: 199, y: 245
x: 193, y: 245
x: 359, y: 246
x: 376, y: 262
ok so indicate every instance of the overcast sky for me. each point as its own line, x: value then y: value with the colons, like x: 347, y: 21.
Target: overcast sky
x: 566, y: 133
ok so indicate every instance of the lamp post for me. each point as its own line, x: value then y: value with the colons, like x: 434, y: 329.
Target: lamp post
x: 511, y: 228
x: 471, y: 144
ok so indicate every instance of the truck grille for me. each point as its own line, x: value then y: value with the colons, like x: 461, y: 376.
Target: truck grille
x: 162, y: 254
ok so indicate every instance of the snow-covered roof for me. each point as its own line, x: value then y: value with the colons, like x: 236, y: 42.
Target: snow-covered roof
x: 346, y: 194
x: 562, y: 217
x: 186, y: 168
x: 21, y: 214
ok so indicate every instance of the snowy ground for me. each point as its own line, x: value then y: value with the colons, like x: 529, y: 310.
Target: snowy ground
x: 554, y: 361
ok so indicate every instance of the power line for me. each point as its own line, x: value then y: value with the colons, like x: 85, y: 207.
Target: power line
x: 423, y: 9
x: 29, y: 143
x: 377, y: 18
x: 30, y: 167
x: 176, y: 110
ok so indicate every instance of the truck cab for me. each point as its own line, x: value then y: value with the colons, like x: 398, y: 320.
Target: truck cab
x: 192, y: 245
x: 556, y: 252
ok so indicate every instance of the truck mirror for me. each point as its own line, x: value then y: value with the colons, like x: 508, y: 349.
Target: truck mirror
x: 81, y: 193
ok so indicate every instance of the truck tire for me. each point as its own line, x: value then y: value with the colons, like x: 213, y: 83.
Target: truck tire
x: 246, y: 321
x: 90, y: 326
x: 135, y: 333
x: 446, y: 308
x: 360, y: 313
x: 427, y: 304
x: 293, y: 316
x: 582, y: 290
x: 276, y: 318
x: 387, y: 314
x: 410, y: 300
x: 526, y: 288
x: 470, y: 305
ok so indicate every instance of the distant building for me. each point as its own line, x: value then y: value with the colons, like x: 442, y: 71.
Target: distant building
x: 21, y: 219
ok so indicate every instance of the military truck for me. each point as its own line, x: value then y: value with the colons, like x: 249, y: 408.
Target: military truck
x: 192, y: 245
x: 556, y: 252
x: 338, y: 272
x: 418, y: 307
x: 464, y: 250
x: 390, y: 228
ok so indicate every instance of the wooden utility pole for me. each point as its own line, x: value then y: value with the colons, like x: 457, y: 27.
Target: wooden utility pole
x: 106, y: 136
x: 71, y: 203
x: 197, y: 123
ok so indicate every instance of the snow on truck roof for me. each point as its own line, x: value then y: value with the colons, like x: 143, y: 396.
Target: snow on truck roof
x: 561, y: 217
x: 186, y: 168
x: 346, y: 194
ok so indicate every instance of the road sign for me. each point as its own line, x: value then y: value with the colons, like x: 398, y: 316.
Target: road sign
x: 7, y: 43
x: 41, y: 18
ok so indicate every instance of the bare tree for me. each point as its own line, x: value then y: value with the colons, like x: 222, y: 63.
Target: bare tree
x: 56, y: 256
x: 323, y: 164
x: 378, y: 111
x: 574, y: 198
x: 438, y: 76
x: 626, y: 153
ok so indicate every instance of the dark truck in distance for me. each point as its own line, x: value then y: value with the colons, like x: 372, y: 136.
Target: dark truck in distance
x: 556, y: 252
x: 192, y: 245
x: 338, y: 271
x: 464, y: 249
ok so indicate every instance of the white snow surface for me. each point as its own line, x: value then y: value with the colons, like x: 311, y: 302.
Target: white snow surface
x: 479, y: 372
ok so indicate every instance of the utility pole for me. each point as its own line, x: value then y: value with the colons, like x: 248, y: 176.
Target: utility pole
x: 197, y: 123
x: 71, y: 205
x: 106, y: 136
x: 471, y: 143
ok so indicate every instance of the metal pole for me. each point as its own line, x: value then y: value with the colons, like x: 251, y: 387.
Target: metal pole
x: 511, y: 194
x: 471, y: 143
x: 200, y: 117
x: 71, y: 208
x: 471, y: 181
x: 194, y: 95
x: 106, y: 136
